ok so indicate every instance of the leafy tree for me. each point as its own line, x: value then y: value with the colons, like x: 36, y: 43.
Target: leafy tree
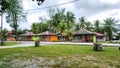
x: 89, y: 26
x: 4, y: 5
x: 97, y: 26
x: 39, y: 1
x: 15, y: 15
x: 82, y: 22
x: 109, y: 26
x: 5, y: 35
x: 35, y: 28
x: 77, y: 26
x: 39, y: 27
x: 70, y: 20
x: 20, y: 31
x: 61, y: 27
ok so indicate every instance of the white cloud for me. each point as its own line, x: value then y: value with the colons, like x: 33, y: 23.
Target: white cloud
x: 111, y: 1
x: 91, y: 9
x: 106, y: 14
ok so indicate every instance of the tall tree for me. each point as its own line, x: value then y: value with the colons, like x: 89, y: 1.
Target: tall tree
x: 35, y: 28
x: 82, y: 22
x: 39, y: 27
x: 109, y: 26
x: 4, y: 36
x: 89, y: 26
x: 70, y: 19
x: 4, y: 5
x: 61, y: 28
x: 15, y: 15
x: 97, y: 26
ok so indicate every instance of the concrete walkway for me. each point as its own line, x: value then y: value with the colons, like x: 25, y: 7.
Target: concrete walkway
x: 28, y: 43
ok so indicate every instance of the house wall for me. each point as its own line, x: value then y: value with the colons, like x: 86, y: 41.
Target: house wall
x: 53, y: 38
x: 49, y: 38
x: 101, y: 38
x: 83, y: 38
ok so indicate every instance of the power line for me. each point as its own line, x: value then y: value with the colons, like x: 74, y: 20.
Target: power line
x: 52, y: 6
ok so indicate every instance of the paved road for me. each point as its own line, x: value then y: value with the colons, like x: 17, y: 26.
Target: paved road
x: 28, y: 43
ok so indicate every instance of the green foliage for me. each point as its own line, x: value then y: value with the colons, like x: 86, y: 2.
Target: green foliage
x: 82, y: 22
x: 39, y: 27
x: 15, y: 15
x: 97, y: 26
x: 4, y: 5
x: 109, y: 26
x: 5, y: 34
x: 39, y: 1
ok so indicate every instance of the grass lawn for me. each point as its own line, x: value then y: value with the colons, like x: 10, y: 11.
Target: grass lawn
x: 11, y: 43
x: 60, y: 56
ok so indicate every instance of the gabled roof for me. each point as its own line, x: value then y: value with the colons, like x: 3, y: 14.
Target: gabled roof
x: 82, y: 31
x: 9, y: 32
x: 46, y: 33
x: 63, y: 34
x: 28, y: 34
x: 98, y: 34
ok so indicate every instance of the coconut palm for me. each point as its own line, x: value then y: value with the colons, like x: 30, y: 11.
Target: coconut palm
x: 70, y: 19
x: 89, y: 26
x: 82, y: 22
x: 61, y: 28
x: 97, y: 26
x: 109, y: 26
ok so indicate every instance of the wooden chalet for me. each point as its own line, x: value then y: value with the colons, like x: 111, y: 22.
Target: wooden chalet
x: 83, y: 35
x: 63, y: 37
x: 48, y: 36
x: 26, y: 37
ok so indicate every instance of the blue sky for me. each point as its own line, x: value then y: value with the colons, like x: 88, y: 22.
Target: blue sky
x: 91, y: 9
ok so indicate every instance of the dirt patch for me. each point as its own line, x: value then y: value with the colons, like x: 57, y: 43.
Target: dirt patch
x: 59, y: 62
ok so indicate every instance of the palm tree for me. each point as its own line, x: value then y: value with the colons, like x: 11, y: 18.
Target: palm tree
x: 89, y: 26
x: 4, y: 5
x: 57, y: 18
x: 70, y: 19
x: 82, y: 22
x: 61, y: 28
x: 77, y: 26
x: 97, y: 26
x: 4, y: 36
x: 109, y: 26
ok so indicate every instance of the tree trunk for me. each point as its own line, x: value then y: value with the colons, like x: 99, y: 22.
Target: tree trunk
x: 2, y: 39
x: 16, y: 26
x: 61, y: 37
x: 119, y: 48
x: 36, y: 43
x: 2, y: 42
x: 97, y: 47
